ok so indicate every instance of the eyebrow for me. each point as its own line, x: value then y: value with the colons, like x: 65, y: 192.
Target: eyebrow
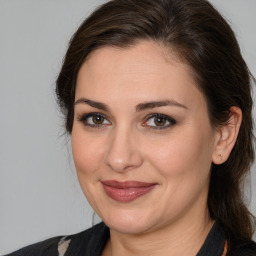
x: 155, y: 104
x: 92, y: 103
x: 139, y: 107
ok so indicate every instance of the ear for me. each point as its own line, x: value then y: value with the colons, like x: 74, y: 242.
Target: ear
x: 226, y: 135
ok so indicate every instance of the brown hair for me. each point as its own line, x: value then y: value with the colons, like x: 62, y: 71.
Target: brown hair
x: 205, y: 41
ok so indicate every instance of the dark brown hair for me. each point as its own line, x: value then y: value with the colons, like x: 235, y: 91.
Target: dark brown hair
x: 204, y: 40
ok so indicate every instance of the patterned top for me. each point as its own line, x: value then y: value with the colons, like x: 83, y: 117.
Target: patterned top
x: 91, y: 242
x: 63, y: 245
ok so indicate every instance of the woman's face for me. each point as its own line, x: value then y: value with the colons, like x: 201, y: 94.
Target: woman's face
x: 141, y: 139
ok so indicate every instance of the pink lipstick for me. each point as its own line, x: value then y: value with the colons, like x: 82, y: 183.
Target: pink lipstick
x: 126, y: 191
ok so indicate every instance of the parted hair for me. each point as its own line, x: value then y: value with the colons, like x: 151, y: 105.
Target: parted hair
x: 204, y: 40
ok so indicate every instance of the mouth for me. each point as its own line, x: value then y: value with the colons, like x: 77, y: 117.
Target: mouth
x: 126, y: 191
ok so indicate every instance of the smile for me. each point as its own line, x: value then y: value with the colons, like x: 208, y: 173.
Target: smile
x: 126, y: 191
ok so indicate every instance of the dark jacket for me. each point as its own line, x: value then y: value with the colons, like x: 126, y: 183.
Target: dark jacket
x: 91, y: 242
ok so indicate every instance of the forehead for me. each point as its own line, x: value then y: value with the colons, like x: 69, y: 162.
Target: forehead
x: 141, y: 56
x: 143, y: 71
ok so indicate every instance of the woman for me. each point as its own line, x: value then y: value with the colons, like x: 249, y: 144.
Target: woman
x: 157, y: 101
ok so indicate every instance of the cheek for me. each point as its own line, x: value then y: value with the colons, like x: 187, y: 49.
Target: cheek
x: 183, y: 164
x: 87, y: 153
x: 185, y: 154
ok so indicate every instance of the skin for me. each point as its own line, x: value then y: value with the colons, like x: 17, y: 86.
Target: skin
x: 173, y: 218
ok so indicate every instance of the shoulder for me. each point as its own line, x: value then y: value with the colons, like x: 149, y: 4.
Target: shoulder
x: 244, y: 249
x: 71, y: 245
x: 89, y: 242
x: 46, y: 247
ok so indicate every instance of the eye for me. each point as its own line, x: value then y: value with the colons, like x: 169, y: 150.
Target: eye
x: 94, y: 120
x: 159, y: 121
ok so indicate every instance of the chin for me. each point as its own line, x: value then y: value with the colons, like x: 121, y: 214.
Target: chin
x: 128, y: 223
x: 132, y: 228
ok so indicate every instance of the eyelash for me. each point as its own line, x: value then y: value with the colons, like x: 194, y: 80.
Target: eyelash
x: 84, y: 120
x: 158, y: 115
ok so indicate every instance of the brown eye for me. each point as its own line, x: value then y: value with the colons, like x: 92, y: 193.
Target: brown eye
x: 160, y: 121
x: 98, y: 119
x: 94, y: 120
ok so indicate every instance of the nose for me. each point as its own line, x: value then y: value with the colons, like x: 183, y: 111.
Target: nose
x: 123, y: 153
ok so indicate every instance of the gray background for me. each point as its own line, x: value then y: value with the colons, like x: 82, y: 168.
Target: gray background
x: 39, y: 193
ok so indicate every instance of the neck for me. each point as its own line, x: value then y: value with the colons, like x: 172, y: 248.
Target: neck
x: 182, y: 238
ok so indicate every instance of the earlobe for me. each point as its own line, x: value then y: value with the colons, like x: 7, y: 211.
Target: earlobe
x: 226, y: 136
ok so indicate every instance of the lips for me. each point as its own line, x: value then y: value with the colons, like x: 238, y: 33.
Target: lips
x: 126, y: 191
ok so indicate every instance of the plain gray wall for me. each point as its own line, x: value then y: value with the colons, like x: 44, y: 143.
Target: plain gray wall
x: 39, y: 193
